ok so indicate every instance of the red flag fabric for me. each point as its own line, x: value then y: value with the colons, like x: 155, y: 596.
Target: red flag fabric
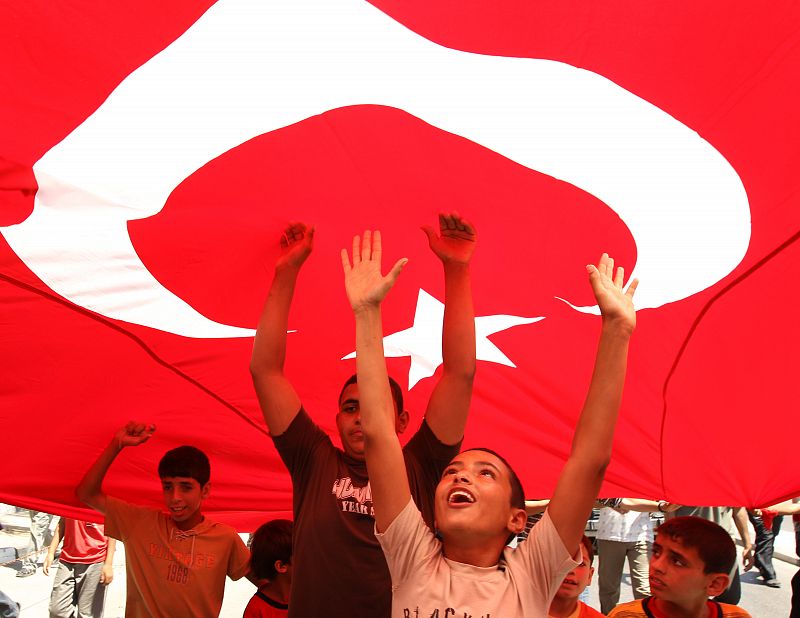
x: 152, y: 154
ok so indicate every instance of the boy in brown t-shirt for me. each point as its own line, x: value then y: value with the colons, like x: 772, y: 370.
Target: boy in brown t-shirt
x: 176, y: 562
x: 338, y: 567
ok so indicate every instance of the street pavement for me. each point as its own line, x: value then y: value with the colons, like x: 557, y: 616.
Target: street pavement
x: 34, y: 592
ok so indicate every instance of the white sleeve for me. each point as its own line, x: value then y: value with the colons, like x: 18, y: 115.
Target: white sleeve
x: 408, y: 544
x: 543, y: 557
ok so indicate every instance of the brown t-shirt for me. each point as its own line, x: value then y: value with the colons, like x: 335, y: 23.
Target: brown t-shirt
x: 338, y: 568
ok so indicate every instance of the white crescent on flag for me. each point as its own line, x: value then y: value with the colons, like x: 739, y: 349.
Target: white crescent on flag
x: 248, y: 67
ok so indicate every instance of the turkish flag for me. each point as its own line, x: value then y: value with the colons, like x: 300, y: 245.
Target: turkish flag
x: 151, y: 155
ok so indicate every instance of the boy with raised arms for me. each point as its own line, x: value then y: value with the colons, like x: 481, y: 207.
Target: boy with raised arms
x: 479, y: 501
x: 338, y: 566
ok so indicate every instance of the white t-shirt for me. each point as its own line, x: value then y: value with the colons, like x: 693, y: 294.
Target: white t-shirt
x: 424, y: 581
x: 628, y: 527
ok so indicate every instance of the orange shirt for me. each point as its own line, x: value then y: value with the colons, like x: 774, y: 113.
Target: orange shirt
x: 171, y: 572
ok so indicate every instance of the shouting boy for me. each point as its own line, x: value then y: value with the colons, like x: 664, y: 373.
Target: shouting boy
x: 479, y: 500
x: 176, y: 562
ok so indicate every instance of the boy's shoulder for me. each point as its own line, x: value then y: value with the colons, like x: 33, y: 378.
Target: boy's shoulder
x: 588, y: 612
x: 637, y: 609
x: 733, y: 611
x: 212, y: 526
x: 632, y: 609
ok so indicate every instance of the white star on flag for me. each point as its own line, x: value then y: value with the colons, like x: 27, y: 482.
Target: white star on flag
x: 423, y: 341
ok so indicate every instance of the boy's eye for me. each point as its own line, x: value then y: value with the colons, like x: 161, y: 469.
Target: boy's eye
x: 449, y: 471
x: 487, y: 472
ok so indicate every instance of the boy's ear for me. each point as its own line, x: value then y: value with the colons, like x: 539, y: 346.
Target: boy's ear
x: 717, y: 583
x: 281, y: 566
x: 517, y: 520
x: 402, y: 421
x: 204, y: 490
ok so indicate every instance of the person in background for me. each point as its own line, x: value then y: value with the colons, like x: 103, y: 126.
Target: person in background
x: 85, y: 568
x: 271, y: 566
x: 567, y: 603
x: 692, y: 561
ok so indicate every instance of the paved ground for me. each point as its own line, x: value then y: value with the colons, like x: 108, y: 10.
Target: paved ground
x: 34, y: 592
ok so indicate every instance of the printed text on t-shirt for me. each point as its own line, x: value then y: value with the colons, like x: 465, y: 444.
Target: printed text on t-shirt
x: 353, y: 499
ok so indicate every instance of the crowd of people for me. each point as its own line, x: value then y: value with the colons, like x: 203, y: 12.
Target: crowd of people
x: 419, y: 531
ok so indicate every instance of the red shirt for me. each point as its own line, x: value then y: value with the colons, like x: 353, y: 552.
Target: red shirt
x: 588, y: 612
x: 84, y: 542
x: 261, y: 606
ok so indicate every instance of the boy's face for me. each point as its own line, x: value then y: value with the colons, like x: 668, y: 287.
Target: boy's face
x: 348, y: 422
x: 577, y: 579
x: 677, y: 573
x: 474, y: 497
x: 183, y: 497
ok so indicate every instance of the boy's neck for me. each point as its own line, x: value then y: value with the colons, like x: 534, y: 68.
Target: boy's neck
x: 475, y: 552
x: 277, y: 590
x: 562, y: 608
x: 690, y: 609
x: 190, y: 523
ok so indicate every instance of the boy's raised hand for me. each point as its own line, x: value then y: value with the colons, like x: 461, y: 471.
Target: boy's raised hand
x: 616, y: 304
x: 456, y: 239
x: 134, y: 434
x: 297, y: 243
x: 363, y: 282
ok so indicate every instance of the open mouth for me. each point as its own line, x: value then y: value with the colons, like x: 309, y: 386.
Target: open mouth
x: 656, y: 583
x: 460, y: 496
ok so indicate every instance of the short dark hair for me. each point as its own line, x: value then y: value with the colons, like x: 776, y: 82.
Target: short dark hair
x: 713, y: 544
x: 188, y: 461
x: 587, y: 543
x: 397, y: 392
x: 517, y: 492
x: 271, y: 542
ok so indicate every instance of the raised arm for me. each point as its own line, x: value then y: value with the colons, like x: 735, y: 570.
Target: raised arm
x: 583, y: 473
x: 648, y: 506
x: 90, y: 489
x: 276, y: 395
x: 449, y: 403
x: 787, y: 507
x: 366, y: 288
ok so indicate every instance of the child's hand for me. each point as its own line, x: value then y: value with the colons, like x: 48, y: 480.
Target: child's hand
x: 297, y: 242
x: 456, y: 240
x: 363, y: 282
x: 615, y: 304
x: 134, y: 434
x: 106, y: 574
x: 48, y: 560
